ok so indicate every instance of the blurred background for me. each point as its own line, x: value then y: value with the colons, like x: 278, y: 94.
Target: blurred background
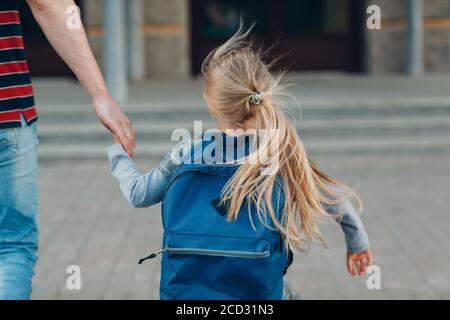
x: 375, y: 114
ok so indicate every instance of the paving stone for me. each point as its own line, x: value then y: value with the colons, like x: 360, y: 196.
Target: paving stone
x: 84, y: 220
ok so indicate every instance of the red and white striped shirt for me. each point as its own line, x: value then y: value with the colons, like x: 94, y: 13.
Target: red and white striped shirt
x: 16, y: 90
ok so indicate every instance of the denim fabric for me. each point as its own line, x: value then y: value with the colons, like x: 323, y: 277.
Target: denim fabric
x: 140, y: 190
x: 18, y: 207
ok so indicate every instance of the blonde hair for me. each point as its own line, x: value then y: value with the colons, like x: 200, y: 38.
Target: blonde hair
x: 233, y: 73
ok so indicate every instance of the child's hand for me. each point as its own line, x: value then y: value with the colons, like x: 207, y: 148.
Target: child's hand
x: 116, y: 139
x: 357, y: 263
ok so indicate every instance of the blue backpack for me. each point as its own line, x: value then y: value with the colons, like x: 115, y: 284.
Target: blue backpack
x: 206, y: 257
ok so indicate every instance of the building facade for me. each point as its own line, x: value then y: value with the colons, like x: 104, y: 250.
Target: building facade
x: 385, y: 46
x: 165, y: 30
x: 311, y: 34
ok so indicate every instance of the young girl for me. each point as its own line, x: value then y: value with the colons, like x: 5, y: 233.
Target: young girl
x: 243, y: 251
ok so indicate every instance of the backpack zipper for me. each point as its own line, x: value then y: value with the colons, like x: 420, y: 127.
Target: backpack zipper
x: 152, y: 256
x: 209, y: 252
x: 221, y: 253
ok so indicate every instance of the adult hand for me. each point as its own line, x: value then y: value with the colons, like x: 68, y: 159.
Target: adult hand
x: 116, y: 121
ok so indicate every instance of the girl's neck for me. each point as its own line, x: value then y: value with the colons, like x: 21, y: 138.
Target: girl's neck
x: 235, y: 129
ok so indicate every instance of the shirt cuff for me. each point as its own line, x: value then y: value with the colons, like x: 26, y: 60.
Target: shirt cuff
x: 116, y: 150
x: 358, y: 247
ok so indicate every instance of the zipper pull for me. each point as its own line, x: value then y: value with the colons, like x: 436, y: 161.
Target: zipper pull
x: 152, y: 256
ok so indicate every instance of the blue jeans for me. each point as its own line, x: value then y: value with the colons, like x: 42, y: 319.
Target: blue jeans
x: 18, y: 207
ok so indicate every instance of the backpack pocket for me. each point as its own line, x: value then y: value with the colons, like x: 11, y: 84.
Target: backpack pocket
x: 213, y: 267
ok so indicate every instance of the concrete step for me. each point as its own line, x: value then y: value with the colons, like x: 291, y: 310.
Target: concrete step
x: 311, y: 109
x: 154, y: 130
x: 154, y: 151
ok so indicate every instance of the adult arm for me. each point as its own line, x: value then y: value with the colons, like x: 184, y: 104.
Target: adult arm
x: 73, y: 47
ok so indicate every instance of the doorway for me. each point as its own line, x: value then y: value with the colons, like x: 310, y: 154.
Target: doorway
x: 308, y: 34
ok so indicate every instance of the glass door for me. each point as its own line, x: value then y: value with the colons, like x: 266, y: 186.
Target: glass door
x: 309, y: 34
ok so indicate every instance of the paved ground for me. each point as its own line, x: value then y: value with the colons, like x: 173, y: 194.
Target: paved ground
x: 85, y: 221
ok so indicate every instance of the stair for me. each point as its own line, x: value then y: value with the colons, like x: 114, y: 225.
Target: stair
x: 326, y: 127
